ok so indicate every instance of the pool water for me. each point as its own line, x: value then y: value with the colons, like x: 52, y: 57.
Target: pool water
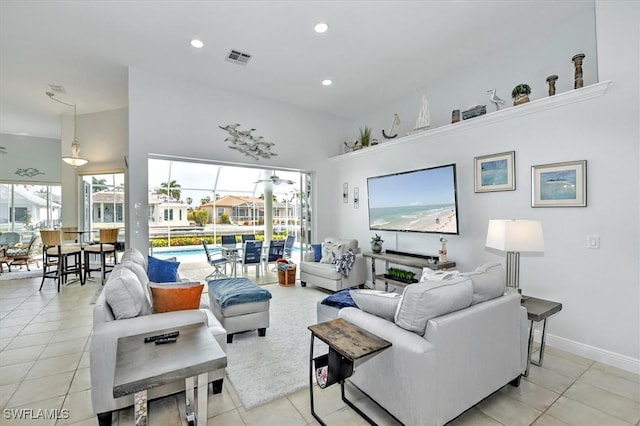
x: 194, y: 253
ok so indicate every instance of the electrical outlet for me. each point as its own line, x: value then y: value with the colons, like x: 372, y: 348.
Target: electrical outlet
x: 593, y: 241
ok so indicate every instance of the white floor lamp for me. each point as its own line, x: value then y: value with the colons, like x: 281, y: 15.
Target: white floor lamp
x: 515, y: 237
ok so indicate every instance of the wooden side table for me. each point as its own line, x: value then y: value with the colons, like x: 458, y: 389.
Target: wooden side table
x: 141, y: 366
x: 348, y: 344
x: 538, y: 310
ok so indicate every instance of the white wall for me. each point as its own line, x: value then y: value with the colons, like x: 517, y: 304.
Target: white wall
x: 181, y: 118
x: 20, y: 155
x: 103, y: 138
x: 599, y: 289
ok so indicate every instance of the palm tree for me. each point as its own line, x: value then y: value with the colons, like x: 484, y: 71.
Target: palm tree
x: 172, y: 189
x: 98, y: 185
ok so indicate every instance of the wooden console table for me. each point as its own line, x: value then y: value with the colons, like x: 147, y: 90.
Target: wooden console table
x: 399, y: 259
x: 348, y: 345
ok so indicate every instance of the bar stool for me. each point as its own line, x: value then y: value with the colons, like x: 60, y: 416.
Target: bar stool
x: 107, y: 245
x: 55, y: 254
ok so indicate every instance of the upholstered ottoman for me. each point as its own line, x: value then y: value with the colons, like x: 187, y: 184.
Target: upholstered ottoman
x: 239, y: 305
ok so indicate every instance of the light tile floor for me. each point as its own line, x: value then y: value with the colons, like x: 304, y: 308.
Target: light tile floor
x: 44, y: 364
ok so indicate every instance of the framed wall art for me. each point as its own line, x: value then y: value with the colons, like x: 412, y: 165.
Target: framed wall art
x: 559, y: 184
x: 495, y: 172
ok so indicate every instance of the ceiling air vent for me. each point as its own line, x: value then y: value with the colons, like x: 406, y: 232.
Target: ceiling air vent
x: 238, y: 57
x: 57, y: 88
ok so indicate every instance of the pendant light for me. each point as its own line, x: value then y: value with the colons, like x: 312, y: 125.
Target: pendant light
x: 75, y: 159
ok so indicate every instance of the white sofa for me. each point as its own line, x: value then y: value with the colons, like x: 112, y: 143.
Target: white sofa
x: 107, y: 330
x: 324, y: 274
x: 462, y: 358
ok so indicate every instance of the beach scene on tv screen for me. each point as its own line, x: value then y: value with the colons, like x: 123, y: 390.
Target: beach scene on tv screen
x: 420, y: 201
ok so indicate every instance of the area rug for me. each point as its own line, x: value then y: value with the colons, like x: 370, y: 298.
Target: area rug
x: 18, y: 274
x: 262, y: 369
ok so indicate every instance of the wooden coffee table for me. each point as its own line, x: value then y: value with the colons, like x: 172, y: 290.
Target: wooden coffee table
x: 141, y: 366
x: 348, y: 346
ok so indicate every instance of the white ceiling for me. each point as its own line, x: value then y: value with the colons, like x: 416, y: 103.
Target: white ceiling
x: 374, y: 51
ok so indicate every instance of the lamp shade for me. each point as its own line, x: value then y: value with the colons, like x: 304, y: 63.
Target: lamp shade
x: 515, y: 236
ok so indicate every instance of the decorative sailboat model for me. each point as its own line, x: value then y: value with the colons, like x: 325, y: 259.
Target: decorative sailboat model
x: 424, y: 119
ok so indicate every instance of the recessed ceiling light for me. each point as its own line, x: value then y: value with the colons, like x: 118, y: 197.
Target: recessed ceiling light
x: 321, y: 27
x: 198, y: 44
x: 327, y: 82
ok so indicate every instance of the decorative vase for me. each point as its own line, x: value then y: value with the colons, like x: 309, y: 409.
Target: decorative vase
x: 442, y: 253
x: 376, y: 246
x: 520, y: 99
x: 552, y: 84
x: 578, y: 82
x: 455, y: 116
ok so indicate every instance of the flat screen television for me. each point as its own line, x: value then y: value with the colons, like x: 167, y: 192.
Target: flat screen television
x: 423, y: 200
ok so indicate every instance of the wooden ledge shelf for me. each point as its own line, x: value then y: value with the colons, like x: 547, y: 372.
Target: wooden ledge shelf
x: 560, y: 99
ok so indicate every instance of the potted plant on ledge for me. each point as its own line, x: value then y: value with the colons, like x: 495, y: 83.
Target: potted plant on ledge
x: 365, y: 136
x: 376, y: 244
x: 520, y: 94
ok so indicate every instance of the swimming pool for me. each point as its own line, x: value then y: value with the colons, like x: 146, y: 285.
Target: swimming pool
x: 190, y: 254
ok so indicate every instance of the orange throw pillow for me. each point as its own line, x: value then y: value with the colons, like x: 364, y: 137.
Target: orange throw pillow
x: 175, y: 298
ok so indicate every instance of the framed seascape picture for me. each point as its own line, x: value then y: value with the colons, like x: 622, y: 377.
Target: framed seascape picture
x: 559, y: 184
x: 495, y: 172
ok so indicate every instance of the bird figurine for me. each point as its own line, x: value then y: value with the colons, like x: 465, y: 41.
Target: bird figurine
x: 495, y: 99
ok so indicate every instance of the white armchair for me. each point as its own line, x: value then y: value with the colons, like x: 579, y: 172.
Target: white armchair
x: 323, y: 274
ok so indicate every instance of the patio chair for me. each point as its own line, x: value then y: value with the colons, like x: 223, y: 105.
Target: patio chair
x: 288, y: 246
x: 275, y: 252
x: 252, y: 255
x: 247, y: 237
x: 54, y: 254
x: 218, y: 261
x: 228, y: 240
x: 23, y: 256
x: 9, y: 239
x: 106, y: 246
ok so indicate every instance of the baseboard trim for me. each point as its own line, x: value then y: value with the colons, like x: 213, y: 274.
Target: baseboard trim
x: 597, y: 354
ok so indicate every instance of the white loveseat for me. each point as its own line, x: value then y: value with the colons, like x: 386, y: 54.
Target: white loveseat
x: 107, y: 329
x: 323, y: 273
x: 431, y: 375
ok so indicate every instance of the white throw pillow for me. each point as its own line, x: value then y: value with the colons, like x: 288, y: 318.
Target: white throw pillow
x: 376, y: 302
x: 430, y: 299
x: 136, y: 256
x: 137, y: 269
x: 125, y: 296
x: 489, y: 282
x: 429, y: 274
x: 345, y: 245
x: 330, y: 250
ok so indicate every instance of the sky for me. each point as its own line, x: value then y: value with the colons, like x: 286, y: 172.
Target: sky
x: 422, y: 187
x: 197, y: 180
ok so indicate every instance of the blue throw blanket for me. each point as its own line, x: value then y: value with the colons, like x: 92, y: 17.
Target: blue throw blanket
x: 341, y: 299
x: 236, y: 291
x: 345, y: 262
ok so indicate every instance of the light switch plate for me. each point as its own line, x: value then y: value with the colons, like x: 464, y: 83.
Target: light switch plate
x: 593, y: 241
